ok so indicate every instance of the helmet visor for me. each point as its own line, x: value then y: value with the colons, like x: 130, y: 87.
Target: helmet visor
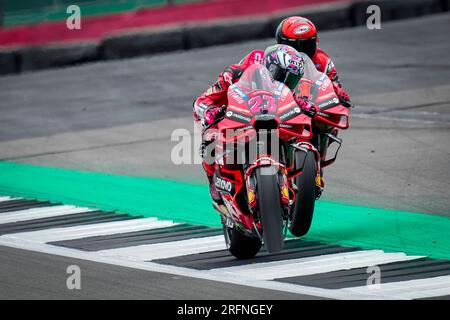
x: 282, y: 75
x: 307, y: 46
x: 292, y: 80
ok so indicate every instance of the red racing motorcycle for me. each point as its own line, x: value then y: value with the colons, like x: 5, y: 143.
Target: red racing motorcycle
x: 269, y: 156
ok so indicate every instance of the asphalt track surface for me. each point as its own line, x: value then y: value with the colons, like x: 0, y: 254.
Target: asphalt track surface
x: 189, y: 254
x: 118, y: 116
x: 22, y: 278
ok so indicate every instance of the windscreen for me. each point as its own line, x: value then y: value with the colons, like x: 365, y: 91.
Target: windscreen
x: 255, y: 77
x: 316, y: 86
x: 259, y: 90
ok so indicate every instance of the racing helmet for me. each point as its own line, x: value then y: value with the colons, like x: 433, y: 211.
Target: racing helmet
x: 299, y: 33
x: 285, y: 64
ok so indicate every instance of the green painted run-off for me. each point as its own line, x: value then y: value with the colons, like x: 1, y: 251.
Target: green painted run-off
x: 370, y: 228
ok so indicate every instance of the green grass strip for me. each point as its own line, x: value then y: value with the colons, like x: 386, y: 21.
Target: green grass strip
x: 342, y: 224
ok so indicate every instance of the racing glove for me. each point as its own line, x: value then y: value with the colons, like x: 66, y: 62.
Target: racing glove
x: 341, y: 93
x: 307, y: 108
x: 209, y: 115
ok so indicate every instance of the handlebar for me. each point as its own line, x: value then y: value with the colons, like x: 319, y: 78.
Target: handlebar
x: 347, y: 104
x: 220, y: 116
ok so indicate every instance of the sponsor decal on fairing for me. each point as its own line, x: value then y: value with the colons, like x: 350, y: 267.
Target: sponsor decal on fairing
x: 238, y: 117
x: 291, y: 113
x: 223, y: 185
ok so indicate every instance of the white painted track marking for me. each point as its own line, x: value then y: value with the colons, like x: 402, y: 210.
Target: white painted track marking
x: 41, y: 212
x: 254, y: 275
x: 91, y: 230
x: 3, y: 199
x: 427, y: 289
x: 411, y: 289
x: 315, y: 265
x: 9, y: 241
x: 167, y: 249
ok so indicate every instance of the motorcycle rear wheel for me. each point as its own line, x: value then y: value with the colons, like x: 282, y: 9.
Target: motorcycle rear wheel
x: 240, y: 245
x: 303, y: 210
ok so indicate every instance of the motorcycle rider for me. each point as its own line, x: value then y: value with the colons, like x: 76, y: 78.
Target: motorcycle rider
x: 297, y: 32
x: 285, y: 65
x: 301, y: 34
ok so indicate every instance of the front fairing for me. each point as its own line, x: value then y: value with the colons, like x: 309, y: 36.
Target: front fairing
x: 318, y: 89
x: 258, y: 101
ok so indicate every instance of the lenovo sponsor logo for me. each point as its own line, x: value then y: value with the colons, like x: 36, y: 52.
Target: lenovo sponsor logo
x: 223, y: 184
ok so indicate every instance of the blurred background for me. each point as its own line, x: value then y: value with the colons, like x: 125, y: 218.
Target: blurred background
x: 35, y: 11
x: 107, y: 97
x: 88, y: 116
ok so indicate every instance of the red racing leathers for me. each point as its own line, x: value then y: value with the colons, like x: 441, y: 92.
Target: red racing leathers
x: 206, y: 105
x: 216, y: 95
x: 324, y: 64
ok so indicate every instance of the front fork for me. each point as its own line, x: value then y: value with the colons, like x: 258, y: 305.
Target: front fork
x: 306, y: 147
x: 251, y: 187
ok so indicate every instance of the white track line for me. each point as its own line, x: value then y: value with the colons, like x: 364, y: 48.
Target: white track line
x: 315, y: 265
x: 41, y: 212
x: 412, y: 289
x: 167, y: 249
x: 325, y: 258
x: 6, y: 240
x: 256, y: 275
x: 91, y: 230
x: 2, y: 199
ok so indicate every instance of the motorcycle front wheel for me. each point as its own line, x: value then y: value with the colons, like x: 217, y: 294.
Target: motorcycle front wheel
x: 270, y: 209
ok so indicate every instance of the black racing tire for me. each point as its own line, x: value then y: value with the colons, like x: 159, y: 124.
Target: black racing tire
x: 240, y: 245
x: 270, y: 209
x: 303, y: 210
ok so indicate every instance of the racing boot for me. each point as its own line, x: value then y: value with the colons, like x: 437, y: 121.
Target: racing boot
x: 215, y: 196
x: 217, y: 201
